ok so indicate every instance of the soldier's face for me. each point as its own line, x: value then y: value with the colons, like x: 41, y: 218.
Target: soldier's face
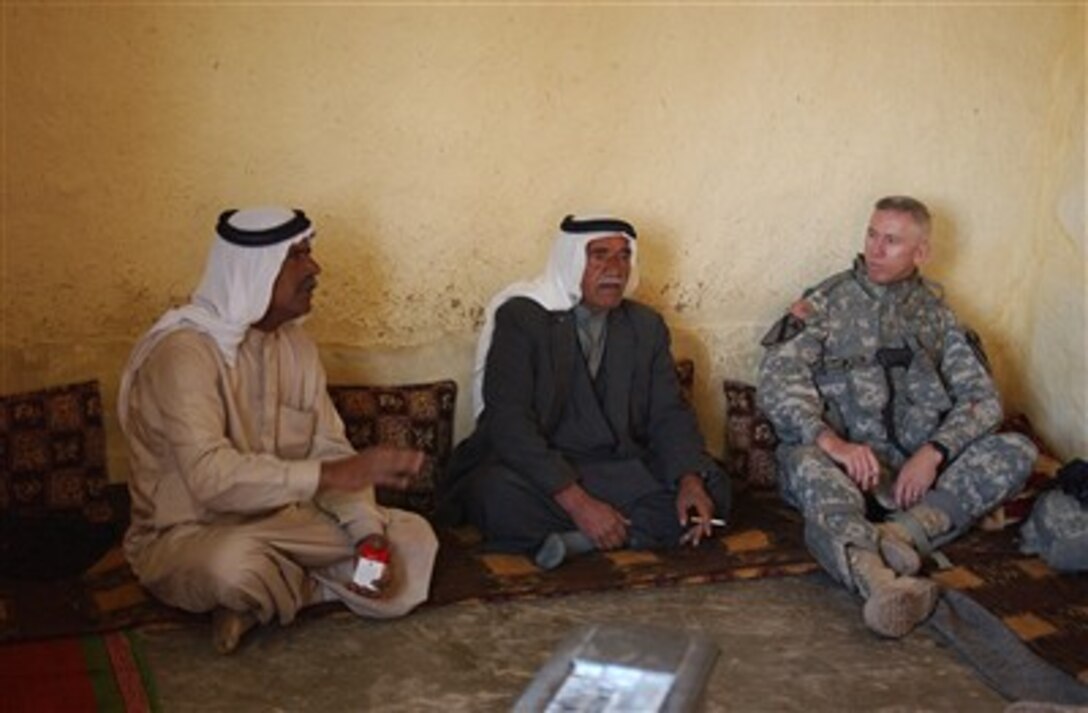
x: 608, y: 266
x: 895, y: 246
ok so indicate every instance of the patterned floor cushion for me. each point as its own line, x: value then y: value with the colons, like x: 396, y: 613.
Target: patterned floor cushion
x: 749, y: 437
x: 58, y: 511
x: 410, y: 416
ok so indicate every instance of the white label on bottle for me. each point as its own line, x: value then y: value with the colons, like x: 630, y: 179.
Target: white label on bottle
x: 368, y: 572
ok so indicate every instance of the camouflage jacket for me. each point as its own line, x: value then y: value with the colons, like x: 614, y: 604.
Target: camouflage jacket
x: 884, y: 365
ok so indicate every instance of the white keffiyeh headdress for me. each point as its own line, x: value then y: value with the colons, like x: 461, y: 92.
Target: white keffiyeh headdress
x: 560, y: 287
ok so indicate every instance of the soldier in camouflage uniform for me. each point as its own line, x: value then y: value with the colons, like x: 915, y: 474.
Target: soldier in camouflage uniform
x: 877, y: 392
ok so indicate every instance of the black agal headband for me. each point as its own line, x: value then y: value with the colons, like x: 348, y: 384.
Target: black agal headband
x: 571, y: 224
x: 257, y: 238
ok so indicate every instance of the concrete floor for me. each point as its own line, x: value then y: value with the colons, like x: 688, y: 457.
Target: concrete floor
x: 787, y: 644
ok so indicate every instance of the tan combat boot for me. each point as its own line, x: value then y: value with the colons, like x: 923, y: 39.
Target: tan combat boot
x: 906, y: 538
x: 893, y: 605
x: 897, y: 549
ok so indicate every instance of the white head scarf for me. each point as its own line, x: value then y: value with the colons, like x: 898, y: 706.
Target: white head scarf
x: 246, y: 256
x: 560, y: 287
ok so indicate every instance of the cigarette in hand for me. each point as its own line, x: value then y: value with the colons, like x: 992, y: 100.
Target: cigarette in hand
x: 714, y: 521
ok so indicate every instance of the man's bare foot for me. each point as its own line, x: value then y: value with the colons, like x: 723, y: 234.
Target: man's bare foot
x: 228, y: 628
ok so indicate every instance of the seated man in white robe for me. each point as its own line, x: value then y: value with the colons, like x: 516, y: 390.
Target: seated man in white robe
x: 247, y: 498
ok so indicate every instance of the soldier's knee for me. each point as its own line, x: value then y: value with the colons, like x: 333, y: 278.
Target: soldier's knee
x: 1022, y: 452
x: 806, y: 463
x: 793, y: 458
x: 1012, y: 454
x: 817, y: 486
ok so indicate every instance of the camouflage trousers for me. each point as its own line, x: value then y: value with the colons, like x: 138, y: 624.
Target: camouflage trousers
x: 984, y: 475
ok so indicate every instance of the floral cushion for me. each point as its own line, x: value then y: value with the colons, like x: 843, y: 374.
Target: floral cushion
x: 58, y: 510
x: 409, y: 416
x: 749, y: 437
x: 52, y: 450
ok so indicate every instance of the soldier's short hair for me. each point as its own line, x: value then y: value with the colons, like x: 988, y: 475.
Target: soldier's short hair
x: 905, y: 204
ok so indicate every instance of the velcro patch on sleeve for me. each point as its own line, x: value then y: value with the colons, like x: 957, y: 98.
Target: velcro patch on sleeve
x: 783, y: 330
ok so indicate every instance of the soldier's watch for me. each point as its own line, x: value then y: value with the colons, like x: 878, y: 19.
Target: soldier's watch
x: 943, y: 450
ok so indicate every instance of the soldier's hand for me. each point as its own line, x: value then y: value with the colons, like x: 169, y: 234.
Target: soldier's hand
x: 917, y: 476
x: 599, y: 521
x: 382, y: 466
x: 857, y: 460
x: 692, y: 495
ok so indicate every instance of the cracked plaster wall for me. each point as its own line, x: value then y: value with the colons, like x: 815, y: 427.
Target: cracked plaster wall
x: 437, y: 147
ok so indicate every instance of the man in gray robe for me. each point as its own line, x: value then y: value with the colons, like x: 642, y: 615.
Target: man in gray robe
x: 247, y: 498
x: 583, y: 438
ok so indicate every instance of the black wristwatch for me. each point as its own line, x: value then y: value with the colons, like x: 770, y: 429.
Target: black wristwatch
x: 943, y: 450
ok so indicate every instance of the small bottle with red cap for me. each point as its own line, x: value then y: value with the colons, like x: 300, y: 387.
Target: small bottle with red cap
x: 373, y: 552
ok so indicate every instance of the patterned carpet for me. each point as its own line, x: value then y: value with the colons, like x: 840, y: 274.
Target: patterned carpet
x: 1047, y: 610
x: 764, y: 540
x: 103, y: 673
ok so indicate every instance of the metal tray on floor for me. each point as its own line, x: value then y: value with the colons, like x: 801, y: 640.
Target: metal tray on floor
x: 601, y: 668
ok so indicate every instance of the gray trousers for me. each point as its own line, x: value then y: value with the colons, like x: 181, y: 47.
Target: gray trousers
x: 985, y: 474
x: 515, y: 515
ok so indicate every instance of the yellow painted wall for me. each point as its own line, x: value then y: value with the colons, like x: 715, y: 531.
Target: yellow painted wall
x: 437, y: 148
